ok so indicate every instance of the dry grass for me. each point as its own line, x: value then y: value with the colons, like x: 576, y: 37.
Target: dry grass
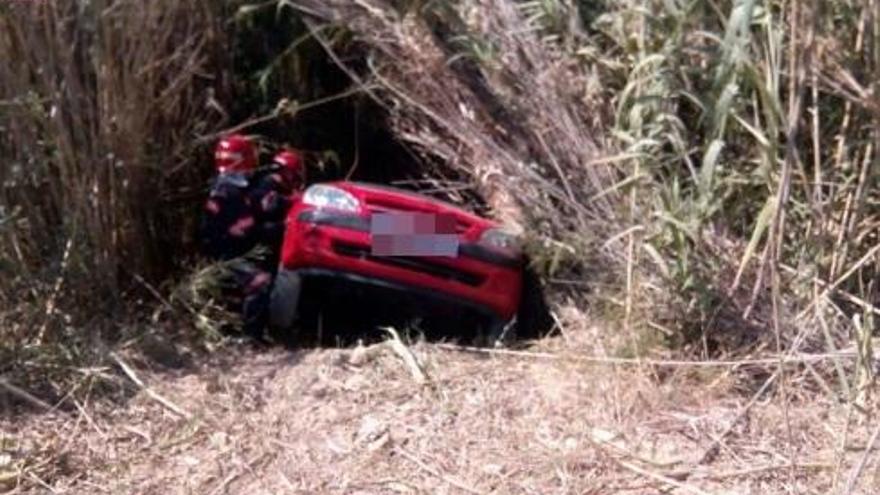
x: 102, y: 105
x: 520, y: 123
x: 355, y: 421
x: 706, y: 169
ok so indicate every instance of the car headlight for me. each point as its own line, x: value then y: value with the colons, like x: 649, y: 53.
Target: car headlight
x: 499, y: 239
x: 323, y: 196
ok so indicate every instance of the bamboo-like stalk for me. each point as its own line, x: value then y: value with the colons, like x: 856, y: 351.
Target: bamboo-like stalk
x: 103, y: 100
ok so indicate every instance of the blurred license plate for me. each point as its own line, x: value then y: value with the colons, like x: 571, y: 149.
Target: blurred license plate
x: 413, y: 234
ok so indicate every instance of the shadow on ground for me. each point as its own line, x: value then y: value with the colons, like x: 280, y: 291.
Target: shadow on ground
x: 333, y: 317
x: 339, y: 315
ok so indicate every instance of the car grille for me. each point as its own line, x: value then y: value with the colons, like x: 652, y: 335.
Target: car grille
x: 414, y: 263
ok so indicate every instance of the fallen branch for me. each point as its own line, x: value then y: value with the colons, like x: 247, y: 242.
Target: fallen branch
x: 174, y: 408
x: 23, y: 394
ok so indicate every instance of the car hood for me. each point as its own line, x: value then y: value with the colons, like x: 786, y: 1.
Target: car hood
x: 376, y: 198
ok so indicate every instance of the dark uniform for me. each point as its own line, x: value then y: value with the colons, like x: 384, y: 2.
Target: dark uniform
x: 270, y: 195
x: 229, y: 223
x: 230, y: 230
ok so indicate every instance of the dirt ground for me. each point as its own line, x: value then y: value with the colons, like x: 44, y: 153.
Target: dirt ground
x: 433, y: 419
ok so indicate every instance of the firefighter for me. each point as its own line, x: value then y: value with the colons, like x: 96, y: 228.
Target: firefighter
x: 273, y: 192
x: 271, y: 195
x: 231, y: 229
x: 229, y: 222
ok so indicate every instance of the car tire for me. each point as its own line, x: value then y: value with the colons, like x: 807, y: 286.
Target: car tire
x: 284, y: 302
x: 533, y: 318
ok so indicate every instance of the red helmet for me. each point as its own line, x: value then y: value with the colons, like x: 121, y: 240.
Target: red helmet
x: 289, y: 160
x: 235, y: 153
x: 290, y: 167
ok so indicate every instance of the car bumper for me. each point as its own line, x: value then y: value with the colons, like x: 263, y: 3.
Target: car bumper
x: 340, y: 243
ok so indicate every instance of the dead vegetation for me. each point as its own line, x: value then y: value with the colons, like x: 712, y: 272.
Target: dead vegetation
x: 520, y: 120
x: 100, y: 107
x: 360, y: 421
x: 697, y: 181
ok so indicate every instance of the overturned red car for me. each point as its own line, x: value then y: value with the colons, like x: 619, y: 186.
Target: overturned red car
x: 402, y: 243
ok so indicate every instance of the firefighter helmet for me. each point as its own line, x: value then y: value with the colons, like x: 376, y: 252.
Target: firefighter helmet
x: 235, y: 153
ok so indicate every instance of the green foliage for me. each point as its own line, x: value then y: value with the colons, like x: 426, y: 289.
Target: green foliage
x: 707, y: 107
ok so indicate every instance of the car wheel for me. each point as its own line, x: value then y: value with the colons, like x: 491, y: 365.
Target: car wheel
x: 533, y: 319
x: 284, y: 301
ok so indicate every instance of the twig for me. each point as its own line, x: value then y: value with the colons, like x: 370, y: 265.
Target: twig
x: 630, y: 275
x: 359, y: 83
x: 152, y: 290
x: 710, y: 451
x: 357, y: 143
x: 557, y: 324
x: 89, y: 420
x: 659, y: 477
x: 23, y: 394
x: 139, y: 433
x: 609, y: 444
x: 757, y: 469
x: 174, y: 408
x: 833, y: 285
x: 40, y: 482
x: 671, y: 363
x: 840, y: 292
x: 221, y: 487
x: 409, y: 359
x: 844, y: 440
x: 445, y: 477
x: 857, y: 471
x: 285, y: 108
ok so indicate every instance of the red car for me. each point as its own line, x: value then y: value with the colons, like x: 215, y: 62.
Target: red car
x: 397, y: 240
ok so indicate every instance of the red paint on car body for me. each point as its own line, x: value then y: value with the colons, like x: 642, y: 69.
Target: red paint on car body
x: 480, y: 275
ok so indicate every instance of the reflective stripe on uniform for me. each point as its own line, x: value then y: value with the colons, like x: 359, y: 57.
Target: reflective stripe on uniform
x: 241, y: 225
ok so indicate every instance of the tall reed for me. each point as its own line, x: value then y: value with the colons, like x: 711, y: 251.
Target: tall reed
x: 101, y: 105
